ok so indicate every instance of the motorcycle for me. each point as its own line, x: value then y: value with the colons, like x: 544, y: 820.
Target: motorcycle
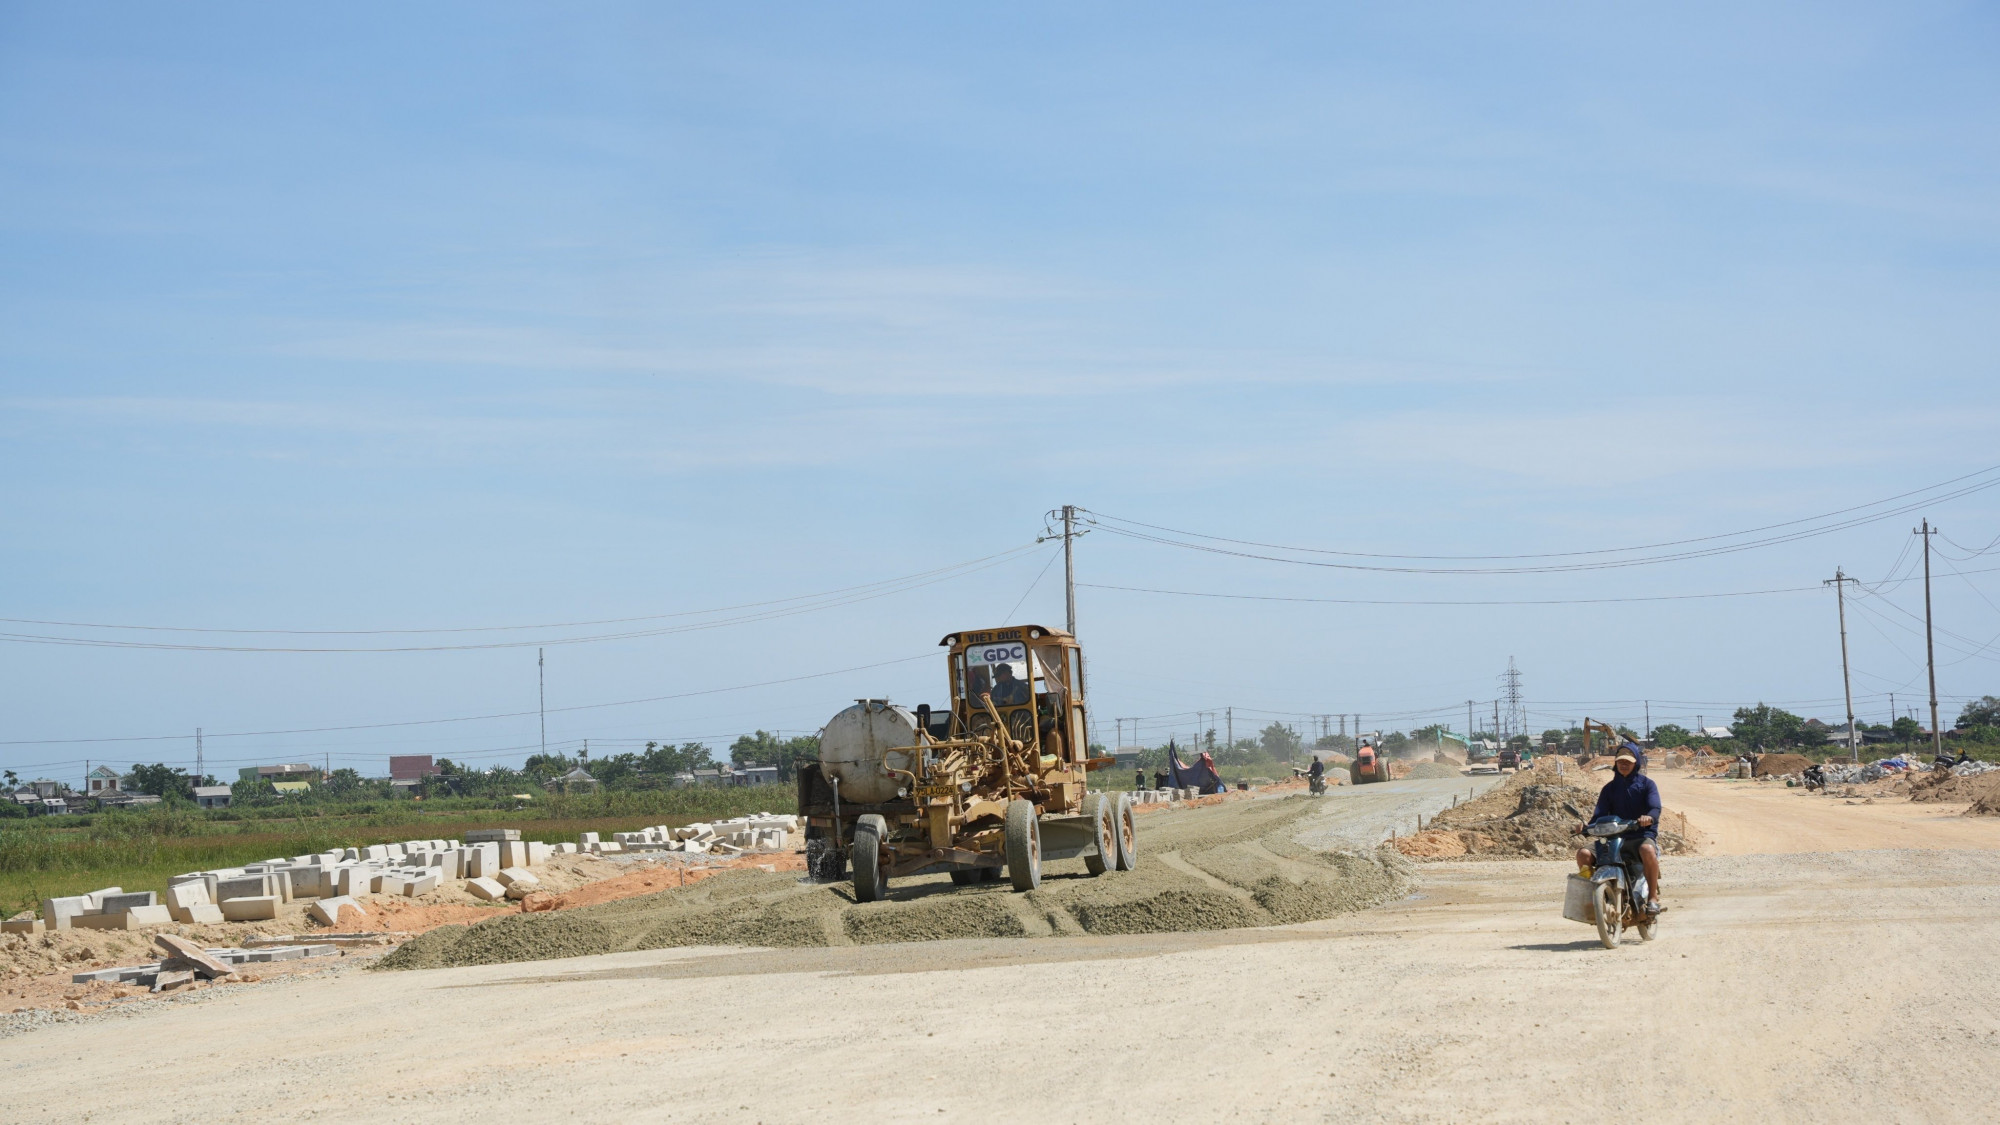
x: 1314, y: 785
x: 1617, y: 877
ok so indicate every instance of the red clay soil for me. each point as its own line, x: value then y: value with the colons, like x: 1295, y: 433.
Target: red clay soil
x: 653, y: 880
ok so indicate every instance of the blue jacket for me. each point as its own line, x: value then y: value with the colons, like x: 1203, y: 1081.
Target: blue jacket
x: 1630, y: 798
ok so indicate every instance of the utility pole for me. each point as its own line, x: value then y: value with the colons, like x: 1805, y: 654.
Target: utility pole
x: 542, y: 697
x: 1229, y: 720
x: 197, y: 756
x: 1930, y: 652
x: 1468, y: 726
x: 1069, y: 564
x: 1839, y: 583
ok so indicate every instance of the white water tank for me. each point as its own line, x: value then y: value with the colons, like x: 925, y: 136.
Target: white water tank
x: 859, y: 741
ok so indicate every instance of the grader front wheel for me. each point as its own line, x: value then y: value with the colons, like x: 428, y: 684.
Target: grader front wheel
x: 1128, y: 833
x: 1024, y: 845
x: 1097, y: 812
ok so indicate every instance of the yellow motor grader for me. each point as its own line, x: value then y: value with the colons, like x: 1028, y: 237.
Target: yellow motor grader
x: 994, y: 781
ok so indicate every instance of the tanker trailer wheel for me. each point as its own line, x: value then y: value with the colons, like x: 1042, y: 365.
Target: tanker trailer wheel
x: 870, y: 884
x: 1024, y: 845
x: 1127, y: 829
x: 1097, y: 811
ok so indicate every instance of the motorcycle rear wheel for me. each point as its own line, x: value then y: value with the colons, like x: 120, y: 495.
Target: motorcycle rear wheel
x: 1610, y: 913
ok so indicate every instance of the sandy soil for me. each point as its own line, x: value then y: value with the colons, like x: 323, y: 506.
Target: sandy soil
x: 1790, y: 986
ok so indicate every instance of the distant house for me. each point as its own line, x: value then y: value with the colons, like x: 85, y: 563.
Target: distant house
x: 44, y: 788
x: 577, y: 780
x: 292, y: 788
x: 102, y: 781
x: 212, y: 796
x: 1715, y: 732
x: 754, y: 775
x: 122, y: 800
x: 717, y: 776
x: 411, y: 767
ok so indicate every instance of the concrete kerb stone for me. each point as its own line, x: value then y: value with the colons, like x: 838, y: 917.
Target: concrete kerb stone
x: 488, y: 889
x: 258, y: 909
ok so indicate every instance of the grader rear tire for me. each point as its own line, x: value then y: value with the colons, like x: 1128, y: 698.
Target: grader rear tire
x: 1024, y: 845
x: 870, y: 884
x: 1128, y: 833
x: 1097, y: 809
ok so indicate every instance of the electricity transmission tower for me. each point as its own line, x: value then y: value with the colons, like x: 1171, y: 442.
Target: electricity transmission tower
x: 1516, y: 720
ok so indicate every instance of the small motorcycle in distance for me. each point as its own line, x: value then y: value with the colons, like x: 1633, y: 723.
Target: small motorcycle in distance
x: 1617, y: 877
x: 1314, y: 785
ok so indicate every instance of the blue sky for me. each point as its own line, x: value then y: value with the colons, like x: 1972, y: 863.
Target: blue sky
x: 495, y: 315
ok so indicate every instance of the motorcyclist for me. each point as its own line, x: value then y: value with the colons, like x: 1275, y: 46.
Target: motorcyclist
x: 1318, y: 769
x: 1631, y: 795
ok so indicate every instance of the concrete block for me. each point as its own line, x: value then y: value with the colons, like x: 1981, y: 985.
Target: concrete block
x: 375, y: 852
x: 149, y: 916
x: 513, y: 853
x: 203, y: 914
x: 722, y: 848
x: 696, y: 846
x: 208, y: 880
x: 58, y: 912
x: 119, y: 904
x: 97, y: 898
x: 491, y: 835
x: 613, y: 848
x: 538, y: 853
x: 588, y: 838
x: 103, y: 922
x: 327, y: 911
x: 23, y: 926
x: 391, y: 883
x: 487, y: 889
x: 260, y: 908
x: 180, y: 896
x: 167, y: 981
x: 243, y: 886
x: 520, y: 891
x: 509, y: 876
x: 180, y: 953
x: 566, y: 849
x: 420, y: 884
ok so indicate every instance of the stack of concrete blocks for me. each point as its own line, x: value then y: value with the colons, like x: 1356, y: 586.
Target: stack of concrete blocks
x: 107, y: 909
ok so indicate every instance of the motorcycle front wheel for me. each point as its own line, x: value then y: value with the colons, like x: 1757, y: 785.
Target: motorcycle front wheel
x: 1610, y: 913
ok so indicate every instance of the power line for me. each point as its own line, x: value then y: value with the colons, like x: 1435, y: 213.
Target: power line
x: 790, y: 607
x: 1119, y: 526
x: 473, y: 718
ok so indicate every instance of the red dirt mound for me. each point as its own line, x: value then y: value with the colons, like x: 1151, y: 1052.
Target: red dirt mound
x: 1777, y: 765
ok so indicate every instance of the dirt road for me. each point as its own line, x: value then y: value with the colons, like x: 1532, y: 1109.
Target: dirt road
x: 1362, y: 816
x: 1796, y: 986
x: 1756, y: 817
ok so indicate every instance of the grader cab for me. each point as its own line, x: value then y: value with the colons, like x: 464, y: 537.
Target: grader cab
x: 995, y: 780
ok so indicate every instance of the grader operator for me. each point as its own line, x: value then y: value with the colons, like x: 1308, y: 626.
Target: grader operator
x: 994, y: 781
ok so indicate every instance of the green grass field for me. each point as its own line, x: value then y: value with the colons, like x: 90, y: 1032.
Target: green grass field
x: 45, y: 857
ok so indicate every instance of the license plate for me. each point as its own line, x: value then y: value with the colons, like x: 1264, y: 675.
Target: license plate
x: 933, y: 791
